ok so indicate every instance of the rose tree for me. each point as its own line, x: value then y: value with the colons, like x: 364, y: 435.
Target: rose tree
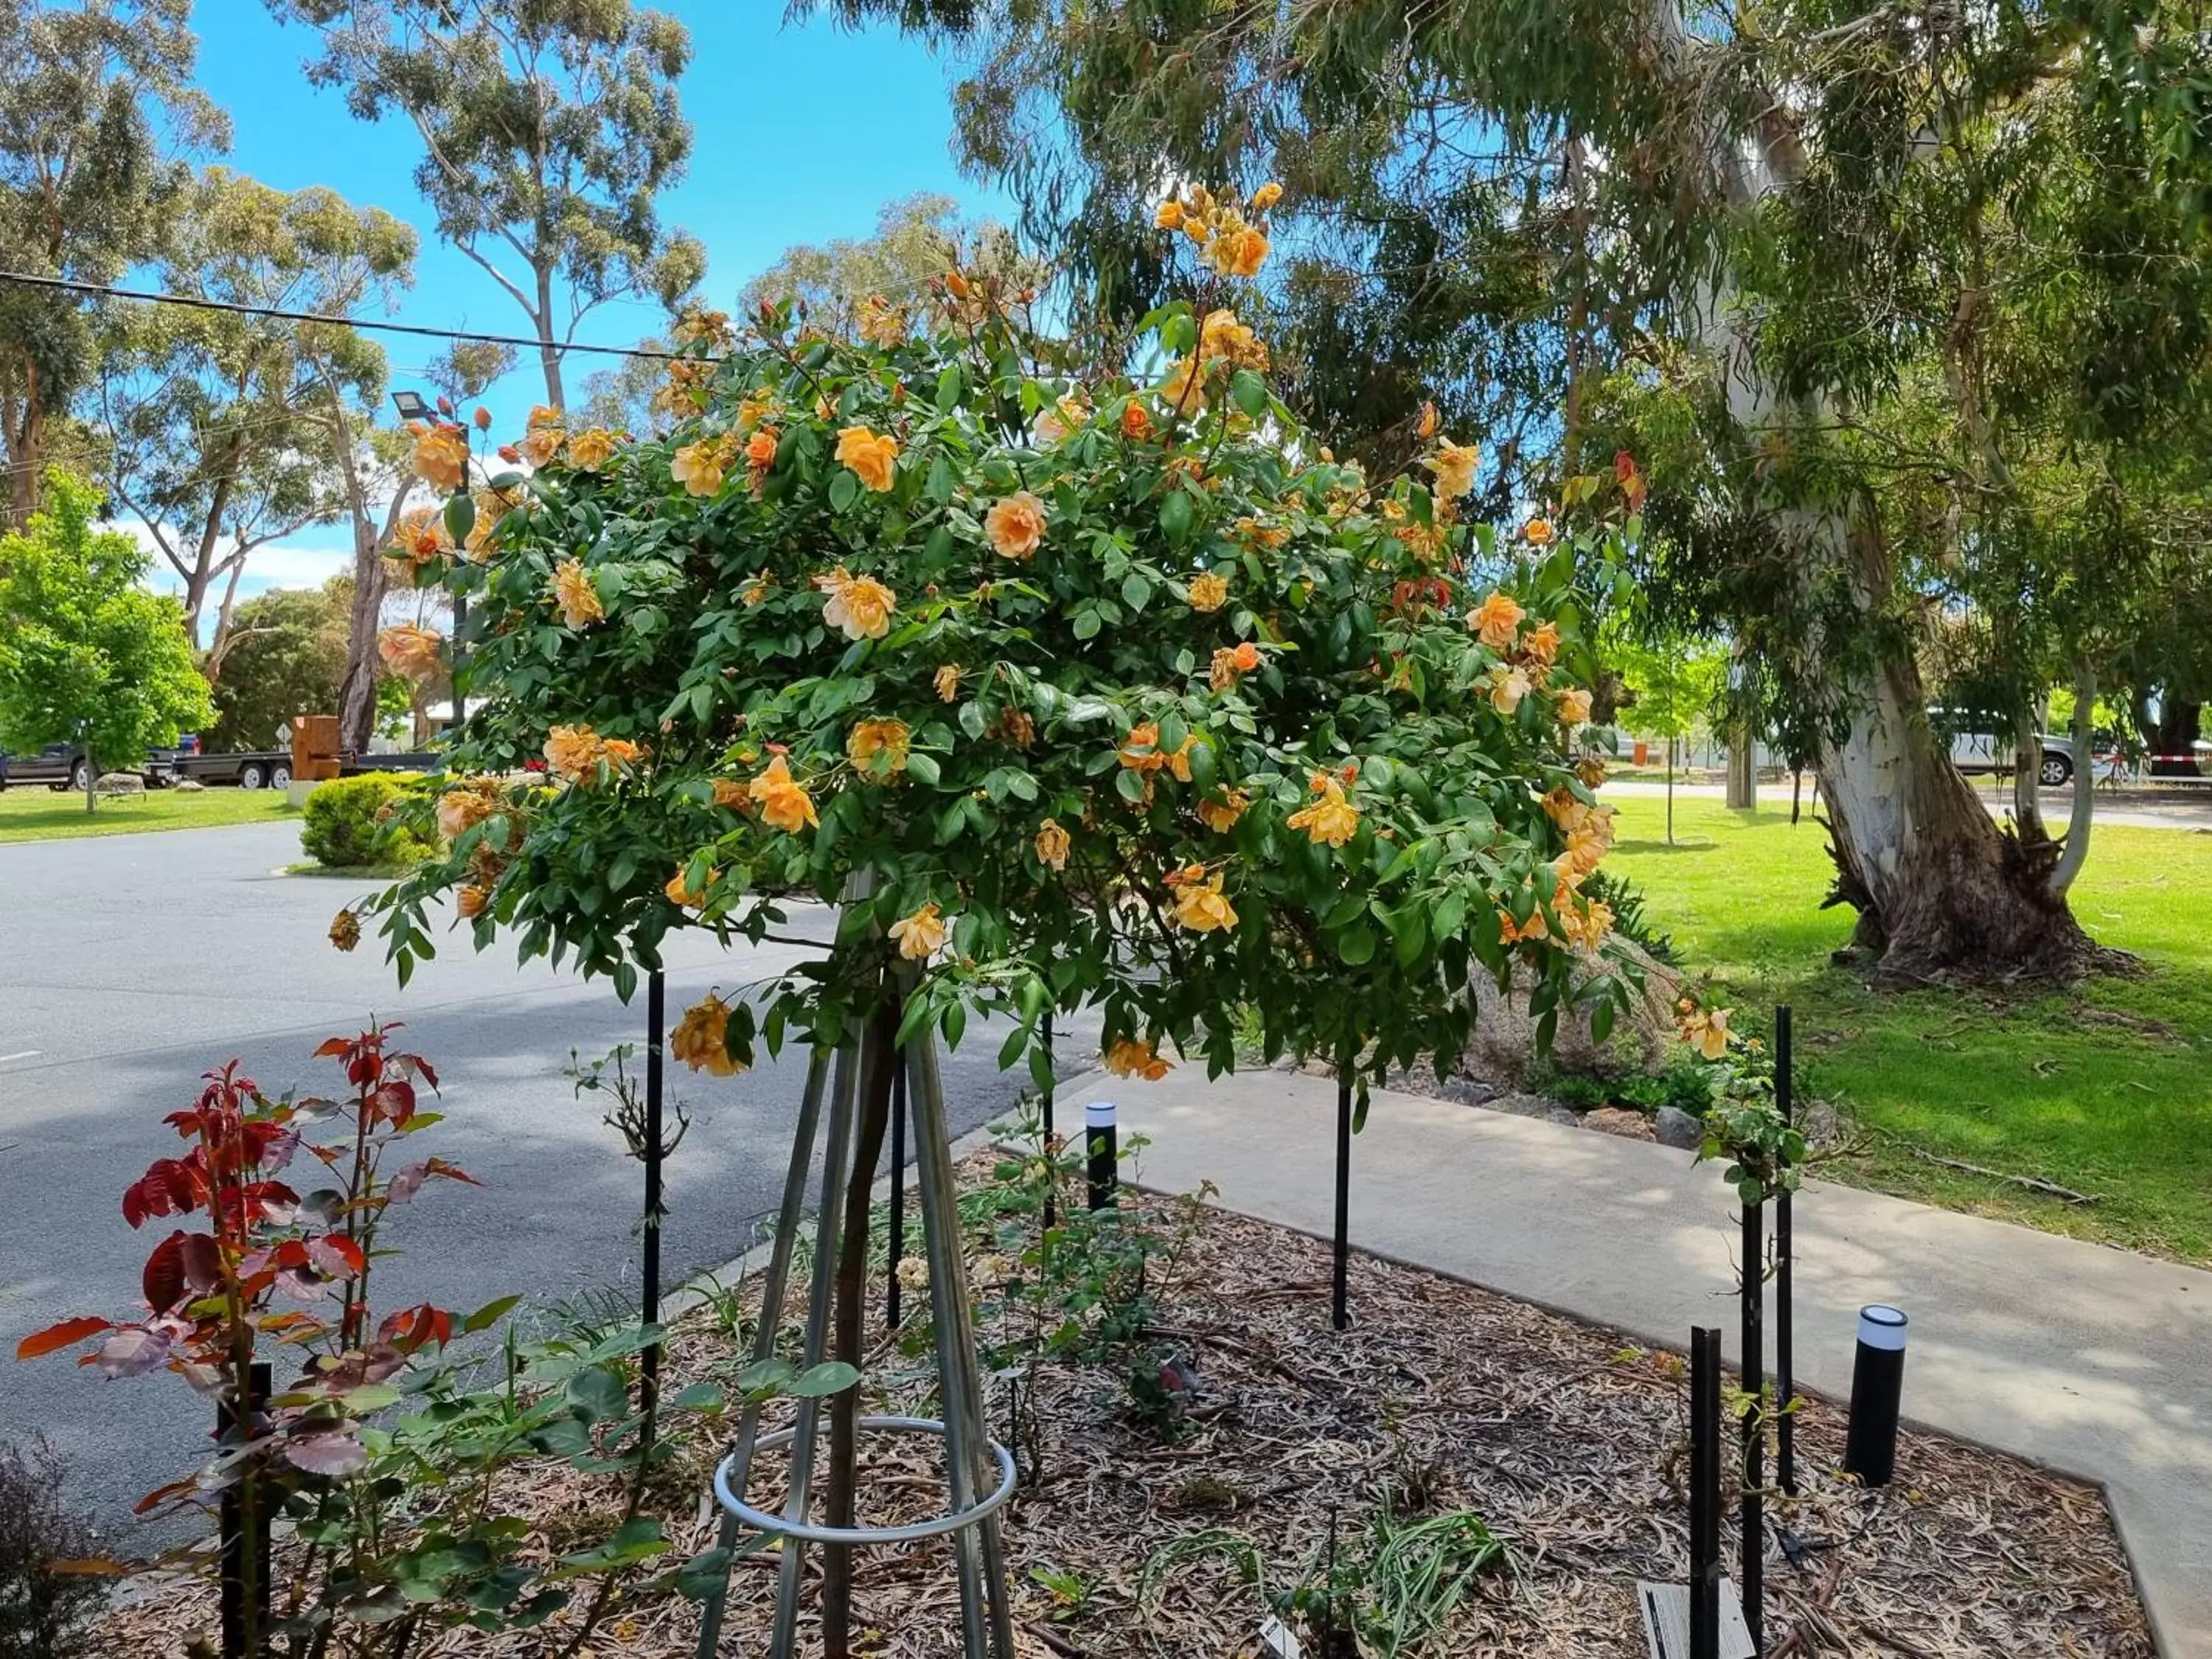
x: 1122, y: 694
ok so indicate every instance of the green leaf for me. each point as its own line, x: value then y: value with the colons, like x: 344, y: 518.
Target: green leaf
x: 1176, y: 515
x: 460, y: 517
x: 948, y: 389
x: 1130, y: 786
x: 597, y: 1395
x: 1249, y: 392
x: 699, y: 1397
x: 490, y: 1313
x: 941, y: 483
x: 1357, y: 946
x: 819, y: 1382
x: 844, y: 489
x: 1136, y: 590
x: 922, y: 768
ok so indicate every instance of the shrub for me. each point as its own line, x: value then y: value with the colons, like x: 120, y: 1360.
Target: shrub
x: 349, y: 824
x: 43, y: 1612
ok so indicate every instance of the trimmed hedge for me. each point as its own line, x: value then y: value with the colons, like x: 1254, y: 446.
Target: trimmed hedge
x: 346, y: 824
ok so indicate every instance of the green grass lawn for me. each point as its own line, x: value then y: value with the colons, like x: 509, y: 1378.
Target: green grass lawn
x: 40, y: 814
x: 2106, y: 1089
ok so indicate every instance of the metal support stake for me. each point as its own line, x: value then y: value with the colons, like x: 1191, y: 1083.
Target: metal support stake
x: 1052, y: 1180
x: 772, y: 1288
x: 1704, y: 1493
x: 244, y: 1525
x: 1339, y: 1311
x: 1785, y: 1373
x: 898, y: 1190
x: 1751, y: 1555
x: 978, y: 1550
x: 829, y: 1215
x: 656, y: 1023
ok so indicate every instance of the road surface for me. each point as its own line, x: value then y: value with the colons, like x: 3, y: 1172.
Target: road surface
x: 129, y: 964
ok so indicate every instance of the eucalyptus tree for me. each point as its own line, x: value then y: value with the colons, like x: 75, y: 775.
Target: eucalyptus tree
x: 97, y: 112
x: 226, y: 426
x: 1775, y: 232
x: 549, y: 129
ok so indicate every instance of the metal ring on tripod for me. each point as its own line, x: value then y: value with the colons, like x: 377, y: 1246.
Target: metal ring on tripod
x: 784, y: 1527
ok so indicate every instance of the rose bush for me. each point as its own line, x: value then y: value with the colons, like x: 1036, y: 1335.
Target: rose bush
x: 1122, y: 694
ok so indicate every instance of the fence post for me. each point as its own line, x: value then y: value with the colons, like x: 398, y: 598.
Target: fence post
x: 243, y: 1522
x: 1785, y: 1372
x: 1751, y: 1556
x: 1704, y: 1493
x: 656, y: 1021
x: 898, y: 1187
x: 1339, y: 1287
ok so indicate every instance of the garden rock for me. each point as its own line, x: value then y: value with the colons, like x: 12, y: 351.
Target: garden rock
x: 1676, y: 1128
x: 1618, y: 1121
x: 1504, y: 1042
x: 1564, y: 1116
x: 121, y: 783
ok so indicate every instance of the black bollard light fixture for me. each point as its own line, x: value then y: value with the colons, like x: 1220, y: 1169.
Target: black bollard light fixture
x: 1103, y: 1140
x: 1877, y: 1392
x: 1785, y: 1358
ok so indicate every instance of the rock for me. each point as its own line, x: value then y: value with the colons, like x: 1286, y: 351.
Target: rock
x: 1618, y: 1121
x: 121, y: 783
x: 1564, y: 1117
x: 1675, y: 1128
x: 1504, y: 1042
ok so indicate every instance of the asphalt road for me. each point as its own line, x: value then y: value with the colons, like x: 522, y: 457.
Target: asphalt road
x: 130, y: 965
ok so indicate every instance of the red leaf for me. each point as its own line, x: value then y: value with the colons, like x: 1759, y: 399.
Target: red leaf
x: 333, y: 1045
x: 163, y: 1280
x: 337, y: 1254
x: 69, y: 1332
x: 132, y: 1350
x: 394, y: 1102
x: 161, y: 1495
x: 336, y: 1454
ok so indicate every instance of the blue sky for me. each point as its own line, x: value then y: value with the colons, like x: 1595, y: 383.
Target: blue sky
x: 800, y: 133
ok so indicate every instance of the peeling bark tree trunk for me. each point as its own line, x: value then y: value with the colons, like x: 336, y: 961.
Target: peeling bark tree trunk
x: 1941, y: 891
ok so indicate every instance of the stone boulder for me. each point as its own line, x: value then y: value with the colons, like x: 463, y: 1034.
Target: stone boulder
x: 1504, y: 1043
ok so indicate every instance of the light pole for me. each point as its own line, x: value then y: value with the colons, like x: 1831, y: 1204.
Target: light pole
x: 412, y: 408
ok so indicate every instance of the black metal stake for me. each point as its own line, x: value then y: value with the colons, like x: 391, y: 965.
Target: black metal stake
x: 898, y: 1189
x: 1704, y: 1493
x: 243, y: 1522
x: 1785, y: 1373
x: 656, y: 1017
x: 1339, y: 1310
x: 1052, y: 1177
x: 1753, y: 1556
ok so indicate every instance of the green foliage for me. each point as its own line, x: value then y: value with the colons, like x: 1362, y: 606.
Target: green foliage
x: 547, y: 132
x: 95, y: 101
x: 87, y: 654
x: 1387, y: 1591
x: 349, y: 823
x: 223, y: 426
x: 1087, y: 681
x: 287, y: 656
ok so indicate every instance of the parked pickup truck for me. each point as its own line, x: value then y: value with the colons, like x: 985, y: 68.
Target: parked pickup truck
x: 1973, y: 751
x: 61, y: 766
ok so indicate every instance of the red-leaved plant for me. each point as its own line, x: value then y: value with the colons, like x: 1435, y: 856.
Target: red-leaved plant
x: 271, y: 1267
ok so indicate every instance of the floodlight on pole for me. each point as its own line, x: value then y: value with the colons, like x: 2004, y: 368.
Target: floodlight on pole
x: 411, y: 406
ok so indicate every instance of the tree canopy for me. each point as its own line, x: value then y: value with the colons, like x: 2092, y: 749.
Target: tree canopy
x: 96, y: 109
x: 87, y: 655
x: 547, y: 128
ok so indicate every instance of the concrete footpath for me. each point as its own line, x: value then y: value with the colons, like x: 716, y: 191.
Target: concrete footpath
x: 2093, y: 1362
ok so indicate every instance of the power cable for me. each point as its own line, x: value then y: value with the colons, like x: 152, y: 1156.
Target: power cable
x: 69, y: 285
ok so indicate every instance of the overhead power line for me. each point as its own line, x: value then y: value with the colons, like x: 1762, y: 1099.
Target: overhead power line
x: 96, y: 290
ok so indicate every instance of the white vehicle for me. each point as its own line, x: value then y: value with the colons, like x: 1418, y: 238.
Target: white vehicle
x: 1983, y: 751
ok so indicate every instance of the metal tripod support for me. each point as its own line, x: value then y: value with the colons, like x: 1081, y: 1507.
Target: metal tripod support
x: 979, y: 1473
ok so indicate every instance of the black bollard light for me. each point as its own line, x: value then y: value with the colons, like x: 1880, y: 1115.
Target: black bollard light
x: 1704, y: 1493
x: 1877, y: 1391
x: 1103, y: 1142
x: 1044, y: 1106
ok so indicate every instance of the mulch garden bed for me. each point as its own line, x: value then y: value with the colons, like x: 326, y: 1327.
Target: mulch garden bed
x: 1568, y: 1442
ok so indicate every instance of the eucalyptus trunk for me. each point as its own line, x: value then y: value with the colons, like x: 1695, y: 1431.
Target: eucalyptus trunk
x: 1941, y: 891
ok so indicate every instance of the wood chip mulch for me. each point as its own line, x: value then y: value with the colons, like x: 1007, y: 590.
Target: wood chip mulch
x: 1567, y: 1440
